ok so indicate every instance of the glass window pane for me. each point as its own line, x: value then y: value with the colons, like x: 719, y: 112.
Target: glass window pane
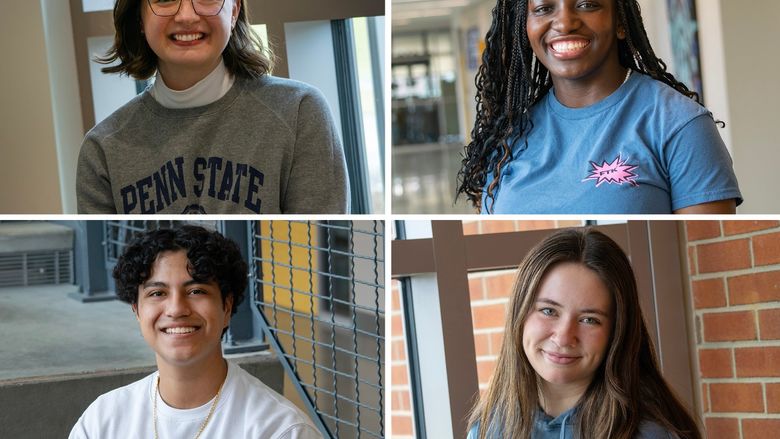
x: 369, y: 110
x: 97, y: 5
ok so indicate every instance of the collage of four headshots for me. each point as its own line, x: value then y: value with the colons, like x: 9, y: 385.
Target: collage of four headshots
x: 344, y: 219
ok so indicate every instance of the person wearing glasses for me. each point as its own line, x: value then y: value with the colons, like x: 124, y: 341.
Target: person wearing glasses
x: 215, y: 132
x: 184, y: 284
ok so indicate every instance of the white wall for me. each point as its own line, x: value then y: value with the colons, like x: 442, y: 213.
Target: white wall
x: 65, y: 98
x: 751, y: 76
x: 29, y: 182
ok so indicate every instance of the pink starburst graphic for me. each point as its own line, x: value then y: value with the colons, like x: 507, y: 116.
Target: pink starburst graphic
x: 617, y: 172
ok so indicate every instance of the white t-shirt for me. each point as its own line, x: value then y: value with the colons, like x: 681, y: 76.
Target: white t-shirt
x: 247, y: 408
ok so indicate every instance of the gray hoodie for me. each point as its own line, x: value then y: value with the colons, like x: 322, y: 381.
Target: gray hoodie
x: 561, y: 427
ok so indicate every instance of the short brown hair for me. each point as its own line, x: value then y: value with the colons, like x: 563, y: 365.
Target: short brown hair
x: 244, y: 55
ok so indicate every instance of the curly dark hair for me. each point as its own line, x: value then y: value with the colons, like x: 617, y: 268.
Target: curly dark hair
x: 509, y: 82
x: 212, y: 257
x: 245, y: 55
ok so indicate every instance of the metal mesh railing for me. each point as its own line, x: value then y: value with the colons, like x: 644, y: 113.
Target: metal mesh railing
x: 319, y: 287
x: 117, y: 234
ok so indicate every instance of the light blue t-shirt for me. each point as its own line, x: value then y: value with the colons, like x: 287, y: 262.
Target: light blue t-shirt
x: 645, y: 149
x: 561, y: 427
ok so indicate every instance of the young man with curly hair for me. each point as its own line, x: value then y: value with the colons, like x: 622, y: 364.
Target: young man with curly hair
x: 183, y: 285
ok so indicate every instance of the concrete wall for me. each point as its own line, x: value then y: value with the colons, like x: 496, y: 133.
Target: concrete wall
x: 29, y: 182
x: 49, y: 407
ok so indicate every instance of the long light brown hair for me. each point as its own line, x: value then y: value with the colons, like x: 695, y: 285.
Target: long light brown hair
x: 627, y: 388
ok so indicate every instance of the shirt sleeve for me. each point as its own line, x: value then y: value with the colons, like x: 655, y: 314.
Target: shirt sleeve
x: 93, y: 187
x: 78, y: 431
x: 318, y: 181
x: 301, y: 431
x: 700, y: 167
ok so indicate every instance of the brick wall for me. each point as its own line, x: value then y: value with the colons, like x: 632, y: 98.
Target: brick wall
x: 402, y: 423
x: 735, y: 292
x: 735, y: 288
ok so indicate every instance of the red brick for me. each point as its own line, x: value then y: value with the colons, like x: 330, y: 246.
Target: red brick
x: 398, y: 326
x: 769, y: 324
x: 715, y: 363
x: 537, y: 225
x: 692, y: 261
x: 708, y: 293
x: 729, y: 326
x: 476, y: 288
x: 482, y: 344
x: 754, y: 288
x: 742, y: 226
x: 773, y: 397
x: 499, y: 286
x: 758, y: 362
x: 485, y: 370
x: 705, y: 398
x: 760, y: 428
x: 568, y: 223
x: 399, y: 350
x: 729, y: 398
x: 697, y: 230
x: 395, y: 305
x: 723, y: 256
x: 401, y: 400
x: 486, y: 317
x: 497, y: 226
x: 496, y: 338
x: 471, y: 227
x: 400, y: 375
x: 720, y: 428
x: 402, y: 425
x: 766, y: 249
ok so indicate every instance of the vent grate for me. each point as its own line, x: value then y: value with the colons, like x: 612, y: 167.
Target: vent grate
x: 36, y: 268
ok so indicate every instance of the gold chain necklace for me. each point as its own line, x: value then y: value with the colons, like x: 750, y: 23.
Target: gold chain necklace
x: 205, y: 422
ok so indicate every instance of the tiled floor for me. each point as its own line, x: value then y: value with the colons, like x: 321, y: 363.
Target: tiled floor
x: 424, y: 179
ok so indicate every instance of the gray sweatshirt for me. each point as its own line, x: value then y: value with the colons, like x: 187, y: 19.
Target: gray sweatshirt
x: 268, y: 146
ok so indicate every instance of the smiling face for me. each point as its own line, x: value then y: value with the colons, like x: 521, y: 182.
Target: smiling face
x: 187, y: 44
x: 575, y: 39
x: 566, y: 333
x: 181, y: 319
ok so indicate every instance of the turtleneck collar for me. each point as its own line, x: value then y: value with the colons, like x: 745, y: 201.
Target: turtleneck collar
x: 207, y: 90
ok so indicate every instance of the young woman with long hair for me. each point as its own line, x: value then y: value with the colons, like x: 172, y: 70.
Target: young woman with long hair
x: 576, y: 114
x: 576, y: 360
x: 215, y: 132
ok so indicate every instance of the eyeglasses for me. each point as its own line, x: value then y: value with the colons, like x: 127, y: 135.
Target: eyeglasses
x: 169, y: 8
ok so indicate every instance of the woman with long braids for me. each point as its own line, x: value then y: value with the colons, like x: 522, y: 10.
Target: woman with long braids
x: 576, y: 114
x: 576, y: 360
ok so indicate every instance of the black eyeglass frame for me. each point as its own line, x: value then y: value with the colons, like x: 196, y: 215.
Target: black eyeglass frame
x: 179, y: 8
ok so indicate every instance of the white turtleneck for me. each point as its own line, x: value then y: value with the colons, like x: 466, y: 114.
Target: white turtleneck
x: 206, y: 91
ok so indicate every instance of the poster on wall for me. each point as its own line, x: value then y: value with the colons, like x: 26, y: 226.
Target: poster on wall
x: 684, y: 33
x: 472, y: 48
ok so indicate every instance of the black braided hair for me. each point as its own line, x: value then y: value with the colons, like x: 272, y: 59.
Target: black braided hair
x: 511, y: 80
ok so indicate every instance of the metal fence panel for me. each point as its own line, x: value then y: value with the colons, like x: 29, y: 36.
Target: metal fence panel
x: 319, y: 287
